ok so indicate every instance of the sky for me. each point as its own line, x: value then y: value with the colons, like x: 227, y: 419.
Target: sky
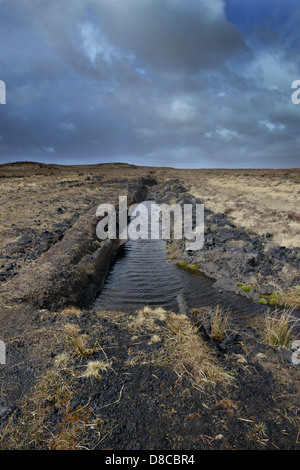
x: 179, y: 83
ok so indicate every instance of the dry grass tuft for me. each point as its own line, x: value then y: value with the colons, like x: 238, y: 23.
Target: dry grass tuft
x: 219, y: 323
x: 71, y: 310
x: 190, y: 355
x: 279, y: 328
x: 94, y: 368
x: 229, y: 405
x: 62, y: 360
x: 182, y: 349
x: 79, y: 342
x: 155, y: 339
x: 147, y: 318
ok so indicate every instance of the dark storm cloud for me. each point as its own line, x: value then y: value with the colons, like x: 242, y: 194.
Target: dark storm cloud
x: 161, y: 82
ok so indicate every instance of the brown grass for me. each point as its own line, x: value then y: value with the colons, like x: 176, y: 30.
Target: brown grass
x: 183, y: 348
x: 57, y: 386
x: 289, y: 298
x: 255, y: 200
x: 80, y: 342
x: 279, y: 328
x: 219, y: 323
x: 71, y: 310
x: 190, y: 355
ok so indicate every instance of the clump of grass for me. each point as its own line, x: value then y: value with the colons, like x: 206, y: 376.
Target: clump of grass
x: 155, y: 339
x: 138, y: 357
x: 68, y: 435
x: 147, y: 318
x: 94, y: 368
x: 259, y: 434
x: 71, y: 310
x: 219, y: 322
x: 62, y: 360
x: 289, y: 298
x: 279, y: 328
x: 160, y: 313
x: 183, y: 348
x: 79, y: 342
x: 229, y: 405
x: 190, y: 355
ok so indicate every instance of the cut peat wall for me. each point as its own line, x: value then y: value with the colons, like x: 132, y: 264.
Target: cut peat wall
x: 73, y: 270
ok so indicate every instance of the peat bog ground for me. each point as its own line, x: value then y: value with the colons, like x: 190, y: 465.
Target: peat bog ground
x: 78, y: 377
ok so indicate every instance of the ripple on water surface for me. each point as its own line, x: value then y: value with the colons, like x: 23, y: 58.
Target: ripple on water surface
x: 143, y: 275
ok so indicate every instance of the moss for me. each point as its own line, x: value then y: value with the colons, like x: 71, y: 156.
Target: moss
x: 289, y: 298
x: 246, y: 288
x: 273, y: 299
x: 194, y: 267
x: 184, y: 264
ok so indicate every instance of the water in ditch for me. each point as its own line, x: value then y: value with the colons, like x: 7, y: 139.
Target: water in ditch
x: 143, y: 275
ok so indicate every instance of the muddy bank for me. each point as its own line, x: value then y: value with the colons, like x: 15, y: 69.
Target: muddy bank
x: 72, y: 270
x: 241, y: 262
